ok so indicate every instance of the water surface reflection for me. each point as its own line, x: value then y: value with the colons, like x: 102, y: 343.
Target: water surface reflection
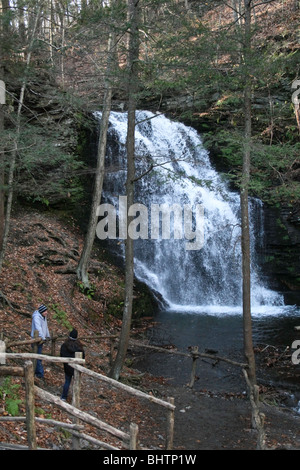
x: 220, y: 333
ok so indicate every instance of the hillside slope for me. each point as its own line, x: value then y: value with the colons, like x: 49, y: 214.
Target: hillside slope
x: 39, y: 267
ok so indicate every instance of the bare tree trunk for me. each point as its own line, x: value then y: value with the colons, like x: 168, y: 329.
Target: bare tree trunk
x: 246, y: 261
x: 4, y: 30
x: 21, y: 22
x: 30, y: 405
x: 133, y: 11
x: 17, y: 135
x: 2, y: 161
x: 82, y: 269
x: 236, y: 11
x: 61, y: 15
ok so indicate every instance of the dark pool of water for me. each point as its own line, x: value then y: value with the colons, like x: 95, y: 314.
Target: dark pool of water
x: 222, y: 333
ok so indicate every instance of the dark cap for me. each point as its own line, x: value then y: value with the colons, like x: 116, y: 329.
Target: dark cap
x: 42, y: 308
x: 73, y: 334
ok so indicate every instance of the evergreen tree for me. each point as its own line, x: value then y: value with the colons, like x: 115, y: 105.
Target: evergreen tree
x: 82, y: 269
x: 132, y: 84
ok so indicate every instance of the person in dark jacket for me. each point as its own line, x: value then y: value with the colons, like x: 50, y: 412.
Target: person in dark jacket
x: 68, y: 349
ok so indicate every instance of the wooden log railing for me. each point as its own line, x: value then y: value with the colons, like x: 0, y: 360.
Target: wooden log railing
x: 258, y: 417
x: 55, y: 338
x: 169, y: 404
x: 130, y: 440
x: 194, y: 354
x: 32, y: 391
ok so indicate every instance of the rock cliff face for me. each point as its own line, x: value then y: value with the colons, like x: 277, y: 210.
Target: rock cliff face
x: 280, y: 259
x: 281, y: 256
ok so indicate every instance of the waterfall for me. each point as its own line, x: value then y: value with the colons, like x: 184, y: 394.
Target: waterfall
x: 191, y: 280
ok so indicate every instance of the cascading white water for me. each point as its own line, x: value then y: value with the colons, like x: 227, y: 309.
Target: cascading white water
x: 207, y: 279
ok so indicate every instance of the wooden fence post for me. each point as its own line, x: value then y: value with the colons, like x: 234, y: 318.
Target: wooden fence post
x: 30, y: 415
x: 134, y: 429
x: 53, y: 345
x: 76, y: 400
x: 258, y: 418
x: 2, y: 350
x: 195, y: 356
x: 170, y: 425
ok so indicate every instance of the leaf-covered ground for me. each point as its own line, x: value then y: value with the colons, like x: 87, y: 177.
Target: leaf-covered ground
x: 39, y: 268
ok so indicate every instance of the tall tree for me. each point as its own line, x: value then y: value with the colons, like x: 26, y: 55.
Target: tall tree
x: 133, y: 56
x: 14, y: 152
x: 2, y: 210
x: 4, y: 9
x: 244, y: 196
x: 82, y: 269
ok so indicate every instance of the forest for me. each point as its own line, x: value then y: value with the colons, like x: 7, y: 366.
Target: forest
x: 216, y: 81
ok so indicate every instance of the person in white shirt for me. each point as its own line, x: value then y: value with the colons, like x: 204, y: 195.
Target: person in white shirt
x: 39, y: 323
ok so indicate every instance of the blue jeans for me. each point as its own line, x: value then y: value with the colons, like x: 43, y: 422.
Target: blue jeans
x: 66, y: 387
x: 39, y: 370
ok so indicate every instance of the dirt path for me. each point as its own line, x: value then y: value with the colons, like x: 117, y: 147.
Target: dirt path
x: 206, y: 421
x: 216, y: 413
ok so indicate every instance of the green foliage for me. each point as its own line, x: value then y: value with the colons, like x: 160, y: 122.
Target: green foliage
x: 274, y: 173
x: 207, y: 64
x: 41, y: 411
x: 230, y: 100
x: 273, y: 167
x: 115, y: 307
x: 46, y: 172
x: 99, y: 13
x: 9, y: 393
x: 184, y: 53
x: 61, y: 316
x: 229, y: 145
x: 89, y: 292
